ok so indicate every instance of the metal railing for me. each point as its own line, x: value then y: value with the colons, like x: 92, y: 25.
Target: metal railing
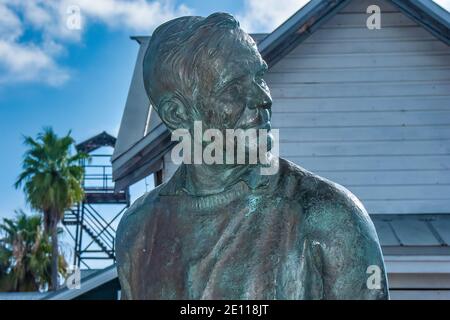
x: 100, y: 231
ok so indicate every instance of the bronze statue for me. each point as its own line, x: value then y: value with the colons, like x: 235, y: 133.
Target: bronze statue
x: 225, y: 231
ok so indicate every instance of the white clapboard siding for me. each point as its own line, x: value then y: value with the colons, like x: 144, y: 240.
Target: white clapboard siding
x: 384, y: 163
x: 365, y: 75
x: 358, y: 148
x: 346, y: 104
x: 368, y: 118
x: 364, y: 133
x: 369, y: 109
x: 367, y: 60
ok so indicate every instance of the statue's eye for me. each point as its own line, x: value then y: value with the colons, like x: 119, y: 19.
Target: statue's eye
x: 234, y: 87
x: 237, y: 85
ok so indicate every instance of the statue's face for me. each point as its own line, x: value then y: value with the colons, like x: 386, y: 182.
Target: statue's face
x: 238, y: 96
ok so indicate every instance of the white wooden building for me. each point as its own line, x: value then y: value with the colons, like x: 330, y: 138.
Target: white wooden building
x: 369, y: 109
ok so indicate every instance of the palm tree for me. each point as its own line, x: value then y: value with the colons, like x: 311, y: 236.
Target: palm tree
x: 52, y: 182
x: 25, y: 254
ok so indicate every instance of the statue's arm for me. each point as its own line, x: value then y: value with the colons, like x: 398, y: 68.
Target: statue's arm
x: 351, y: 260
x: 123, y: 261
x: 130, y: 227
x: 126, y: 234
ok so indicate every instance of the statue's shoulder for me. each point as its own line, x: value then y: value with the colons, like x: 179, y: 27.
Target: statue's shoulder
x: 339, y: 232
x: 326, y: 205
x: 135, y: 217
x: 131, y: 235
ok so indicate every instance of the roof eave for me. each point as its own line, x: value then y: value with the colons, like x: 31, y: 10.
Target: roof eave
x: 429, y: 15
x: 297, y: 28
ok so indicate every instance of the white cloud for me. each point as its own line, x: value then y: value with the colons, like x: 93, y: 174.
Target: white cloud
x: 10, y: 24
x: 36, y: 14
x: 35, y: 58
x: 139, y: 15
x: 266, y: 15
x: 19, y: 63
x: 444, y: 4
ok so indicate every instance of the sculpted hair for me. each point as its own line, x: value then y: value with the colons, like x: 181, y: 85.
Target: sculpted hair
x: 176, y: 48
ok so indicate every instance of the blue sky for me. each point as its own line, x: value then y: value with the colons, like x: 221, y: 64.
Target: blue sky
x: 75, y: 79
x: 51, y: 75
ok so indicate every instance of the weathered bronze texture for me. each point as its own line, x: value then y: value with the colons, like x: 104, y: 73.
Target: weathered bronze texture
x: 226, y: 231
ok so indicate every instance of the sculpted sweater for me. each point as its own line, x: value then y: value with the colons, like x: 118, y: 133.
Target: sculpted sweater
x: 293, y: 235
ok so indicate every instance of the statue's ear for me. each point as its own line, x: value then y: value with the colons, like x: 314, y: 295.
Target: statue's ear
x: 173, y: 112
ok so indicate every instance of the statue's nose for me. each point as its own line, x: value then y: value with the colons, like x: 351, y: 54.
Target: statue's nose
x: 262, y: 100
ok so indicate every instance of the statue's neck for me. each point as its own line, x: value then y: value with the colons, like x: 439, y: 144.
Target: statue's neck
x: 213, y: 179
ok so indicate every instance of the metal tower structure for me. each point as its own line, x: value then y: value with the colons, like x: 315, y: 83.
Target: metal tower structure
x: 91, y: 223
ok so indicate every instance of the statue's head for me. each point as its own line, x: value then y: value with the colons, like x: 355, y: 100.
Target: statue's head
x: 209, y: 70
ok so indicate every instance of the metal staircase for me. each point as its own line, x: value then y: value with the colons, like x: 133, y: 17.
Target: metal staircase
x: 92, y: 233
x: 99, y: 230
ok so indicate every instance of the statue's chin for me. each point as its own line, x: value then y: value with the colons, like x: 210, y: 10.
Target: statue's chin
x: 252, y: 148
x: 269, y: 141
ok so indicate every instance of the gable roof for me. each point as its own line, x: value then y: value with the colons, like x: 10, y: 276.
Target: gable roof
x: 101, y: 140
x: 143, y: 138
x: 316, y: 12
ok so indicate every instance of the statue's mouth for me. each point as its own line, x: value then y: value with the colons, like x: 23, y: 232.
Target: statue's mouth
x: 264, y: 125
x: 260, y: 121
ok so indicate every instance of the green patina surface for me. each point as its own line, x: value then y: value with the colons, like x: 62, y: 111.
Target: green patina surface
x: 226, y: 231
